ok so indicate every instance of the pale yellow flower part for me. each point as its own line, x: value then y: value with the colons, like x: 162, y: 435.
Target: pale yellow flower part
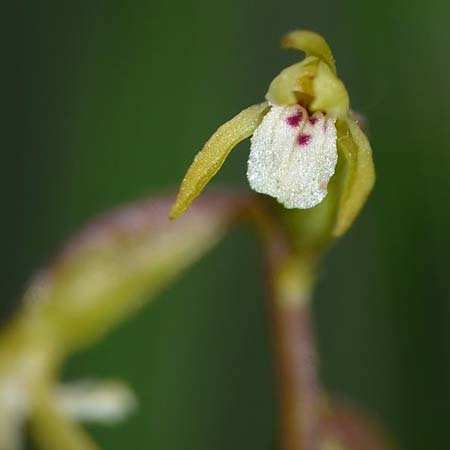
x: 311, y: 82
x: 360, y: 179
x: 312, y: 44
x: 292, y: 82
x: 329, y: 93
x: 210, y: 159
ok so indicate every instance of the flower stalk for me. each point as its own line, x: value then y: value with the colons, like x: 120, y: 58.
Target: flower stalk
x: 290, y: 279
x: 290, y: 286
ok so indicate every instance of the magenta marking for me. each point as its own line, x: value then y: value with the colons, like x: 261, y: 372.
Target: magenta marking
x: 313, y: 120
x: 304, y: 139
x: 294, y: 120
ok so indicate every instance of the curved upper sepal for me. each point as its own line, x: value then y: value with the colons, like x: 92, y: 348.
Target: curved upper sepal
x: 358, y: 176
x: 121, y: 260
x: 210, y: 159
x: 312, y: 44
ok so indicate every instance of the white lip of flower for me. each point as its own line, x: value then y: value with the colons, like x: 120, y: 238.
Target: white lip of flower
x: 293, y: 156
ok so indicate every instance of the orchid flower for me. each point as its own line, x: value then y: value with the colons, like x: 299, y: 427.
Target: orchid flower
x: 303, y: 136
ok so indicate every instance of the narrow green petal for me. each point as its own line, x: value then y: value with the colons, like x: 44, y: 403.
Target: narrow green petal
x: 330, y: 94
x: 312, y: 44
x: 210, y: 159
x: 355, y: 152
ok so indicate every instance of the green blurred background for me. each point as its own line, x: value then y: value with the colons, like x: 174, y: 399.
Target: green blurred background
x: 121, y: 94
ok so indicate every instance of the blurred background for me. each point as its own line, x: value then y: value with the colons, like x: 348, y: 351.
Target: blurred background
x: 120, y: 95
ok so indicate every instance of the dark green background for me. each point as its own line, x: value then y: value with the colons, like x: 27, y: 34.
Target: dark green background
x: 121, y: 94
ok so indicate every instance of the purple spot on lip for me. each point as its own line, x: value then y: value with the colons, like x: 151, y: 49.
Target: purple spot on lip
x: 304, y: 139
x: 294, y: 120
x: 313, y: 120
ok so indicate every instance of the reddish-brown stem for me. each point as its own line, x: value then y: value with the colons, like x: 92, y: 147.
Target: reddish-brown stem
x: 290, y: 282
x: 308, y: 419
x: 298, y: 390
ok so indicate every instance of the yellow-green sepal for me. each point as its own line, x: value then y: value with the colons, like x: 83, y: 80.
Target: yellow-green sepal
x: 210, y: 159
x: 314, y: 230
x: 357, y: 176
x: 312, y: 44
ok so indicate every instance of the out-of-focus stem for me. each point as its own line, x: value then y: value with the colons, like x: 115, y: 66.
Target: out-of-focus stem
x: 53, y: 430
x: 291, y: 280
